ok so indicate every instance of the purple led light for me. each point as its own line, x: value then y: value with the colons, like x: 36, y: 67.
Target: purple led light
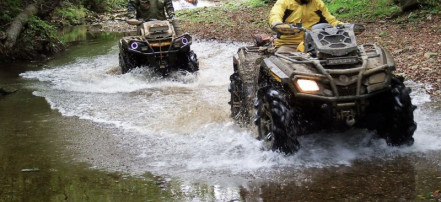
x: 184, y: 41
x: 134, y: 45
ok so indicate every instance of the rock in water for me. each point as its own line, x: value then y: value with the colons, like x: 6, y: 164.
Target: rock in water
x: 4, y: 90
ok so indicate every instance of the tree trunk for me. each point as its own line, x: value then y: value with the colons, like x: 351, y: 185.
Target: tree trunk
x: 16, y: 26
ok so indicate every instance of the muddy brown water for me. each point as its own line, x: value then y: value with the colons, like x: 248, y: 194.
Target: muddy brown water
x: 77, y: 130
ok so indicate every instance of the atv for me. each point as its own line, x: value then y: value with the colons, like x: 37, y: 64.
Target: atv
x: 157, y: 46
x: 333, y: 84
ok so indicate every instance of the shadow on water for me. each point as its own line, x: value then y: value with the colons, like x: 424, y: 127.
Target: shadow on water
x: 53, y: 151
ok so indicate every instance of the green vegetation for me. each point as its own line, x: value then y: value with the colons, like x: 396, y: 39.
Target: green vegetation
x: 235, y: 5
x: 68, y: 13
x: 10, y: 9
x: 255, y: 3
x: 362, y: 9
x: 365, y: 10
x: 103, y: 5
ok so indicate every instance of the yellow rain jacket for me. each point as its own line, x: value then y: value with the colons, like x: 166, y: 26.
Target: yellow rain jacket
x: 289, y: 11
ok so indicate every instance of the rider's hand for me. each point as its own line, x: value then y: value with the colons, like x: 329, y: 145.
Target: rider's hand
x: 343, y: 25
x: 130, y: 15
x: 285, y: 29
x: 282, y: 28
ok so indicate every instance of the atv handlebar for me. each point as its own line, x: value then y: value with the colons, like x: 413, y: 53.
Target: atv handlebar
x: 135, y: 21
x: 290, y: 29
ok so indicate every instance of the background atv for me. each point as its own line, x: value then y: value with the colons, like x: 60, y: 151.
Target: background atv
x: 333, y: 84
x: 157, y: 47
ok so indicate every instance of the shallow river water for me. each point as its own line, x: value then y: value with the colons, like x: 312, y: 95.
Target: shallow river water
x: 88, y: 133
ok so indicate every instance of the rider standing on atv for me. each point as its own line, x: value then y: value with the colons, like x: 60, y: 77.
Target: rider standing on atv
x: 307, y: 12
x: 153, y: 10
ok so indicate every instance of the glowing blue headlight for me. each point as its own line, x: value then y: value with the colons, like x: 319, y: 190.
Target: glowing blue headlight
x: 184, y: 41
x: 134, y: 45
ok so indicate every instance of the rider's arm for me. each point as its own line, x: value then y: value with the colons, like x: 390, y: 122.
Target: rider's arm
x: 169, y: 8
x: 277, y: 12
x: 131, y: 11
x: 325, y: 12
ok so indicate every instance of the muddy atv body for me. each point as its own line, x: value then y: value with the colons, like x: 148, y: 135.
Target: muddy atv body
x: 157, y: 47
x: 334, y: 84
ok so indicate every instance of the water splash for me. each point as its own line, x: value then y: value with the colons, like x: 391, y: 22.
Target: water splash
x: 181, y: 126
x: 183, y: 5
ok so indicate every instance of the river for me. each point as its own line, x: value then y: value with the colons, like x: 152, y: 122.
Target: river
x: 78, y: 130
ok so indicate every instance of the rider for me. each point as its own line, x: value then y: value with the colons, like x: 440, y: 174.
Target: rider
x: 153, y: 9
x: 307, y: 12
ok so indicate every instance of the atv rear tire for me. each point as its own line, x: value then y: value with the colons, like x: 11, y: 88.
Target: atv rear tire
x: 399, y: 124
x: 276, y: 122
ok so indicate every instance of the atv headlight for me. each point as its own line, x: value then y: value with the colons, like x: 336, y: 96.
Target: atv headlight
x: 181, y: 41
x: 134, y: 45
x: 184, y: 41
x: 139, y: 46
x: 307, y: 85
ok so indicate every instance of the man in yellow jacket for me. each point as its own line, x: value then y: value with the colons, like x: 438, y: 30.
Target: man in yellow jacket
x: 307, y: 12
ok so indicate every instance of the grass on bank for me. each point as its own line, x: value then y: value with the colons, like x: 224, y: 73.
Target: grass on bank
x: 363, y: 9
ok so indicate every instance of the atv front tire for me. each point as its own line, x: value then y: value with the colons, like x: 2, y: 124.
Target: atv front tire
x: 127, y: 61
x: 399, y: 124
x: 276, y: 122
x: 192, y: 62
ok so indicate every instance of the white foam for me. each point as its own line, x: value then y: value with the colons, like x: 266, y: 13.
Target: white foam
x: 182, y: 126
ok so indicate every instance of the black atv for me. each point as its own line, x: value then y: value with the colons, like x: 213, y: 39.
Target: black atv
x: 334, y: 84
x: 157, y: 47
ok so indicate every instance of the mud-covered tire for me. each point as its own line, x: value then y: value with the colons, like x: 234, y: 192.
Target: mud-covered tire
x: 276, y: 121
x: 399, y: 124
x: 237, y: 99
x: 192, y: 62
x: 127, y: 61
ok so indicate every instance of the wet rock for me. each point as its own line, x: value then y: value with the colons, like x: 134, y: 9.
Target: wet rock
x: 30, y: 170
x: 429, y: 17
x: 414, y: 67
x: 429, y: 55
x: 4, y: 90
x: 396, y: 52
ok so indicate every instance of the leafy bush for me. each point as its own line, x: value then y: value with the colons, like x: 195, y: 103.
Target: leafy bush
x: 38, y: 37
x: 69, y: 13
x: 104, y: 5
x: 10, y: 9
